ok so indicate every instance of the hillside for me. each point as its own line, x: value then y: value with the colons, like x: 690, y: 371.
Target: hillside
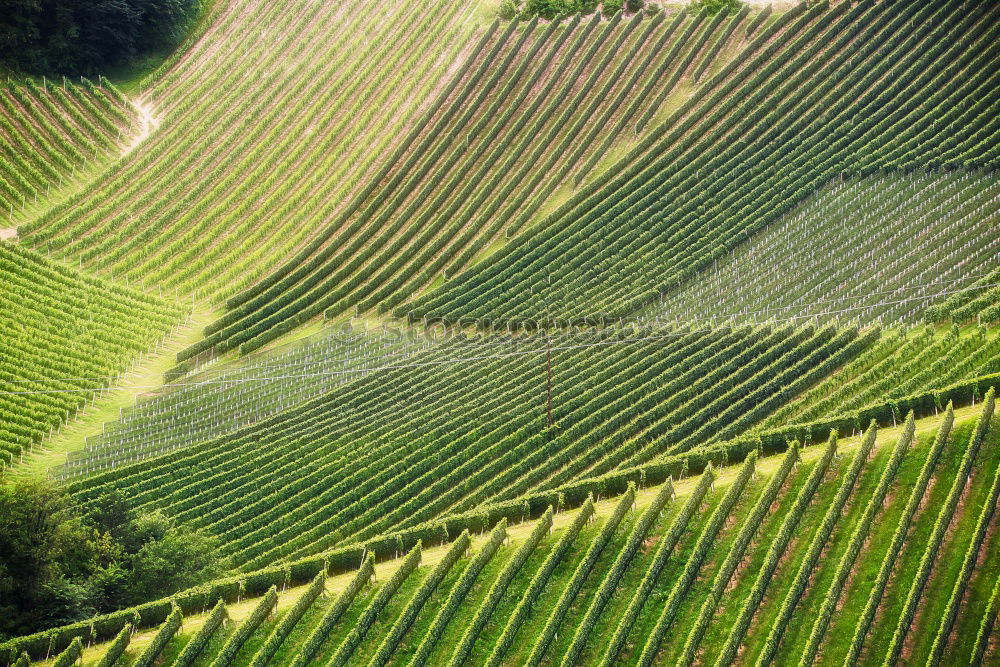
x: 747, y: 537
x: 520, y: 332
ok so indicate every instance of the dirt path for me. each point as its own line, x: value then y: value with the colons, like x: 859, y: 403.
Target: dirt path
x: 8, y: 233
x: 147, y: 124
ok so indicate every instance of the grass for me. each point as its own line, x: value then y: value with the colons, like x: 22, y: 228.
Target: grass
x: 966, y: 628
x: 453, y: 632
x: 567, y: 629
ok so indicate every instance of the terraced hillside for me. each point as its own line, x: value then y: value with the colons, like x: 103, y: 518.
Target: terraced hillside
x: 215, y: 197
x: 927, y: 237
x: 615, y: 333
x: 538, y: 106
x: 616, y: 401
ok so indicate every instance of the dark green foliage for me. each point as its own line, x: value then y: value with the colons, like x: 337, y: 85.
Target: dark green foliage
x: 547, y: 9
x: 61, y: 566
x: 87, y: 36
x: 48, y: 554
x: 509, y: 10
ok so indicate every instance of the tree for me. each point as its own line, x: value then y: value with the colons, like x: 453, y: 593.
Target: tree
x: 59, y: 565
x: 43, y: 547
x: 182, y: 558
x: 88, y: 36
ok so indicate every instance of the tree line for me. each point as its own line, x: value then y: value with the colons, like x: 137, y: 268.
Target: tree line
x: 88, y: 36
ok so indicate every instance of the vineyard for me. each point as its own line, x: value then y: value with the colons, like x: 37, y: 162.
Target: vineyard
x: 537, y: 106
x: 718, y: 567
x: 65, y: 331
x: 869, y: 88
x: 928, y: 243
x: 520, y: 332
x: 53, y: 135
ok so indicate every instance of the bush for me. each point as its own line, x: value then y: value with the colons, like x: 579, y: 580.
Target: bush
x: 713, y: 7
x: 509, y: 10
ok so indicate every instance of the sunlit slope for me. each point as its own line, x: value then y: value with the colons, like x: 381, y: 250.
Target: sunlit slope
x: 230, y: 397
x: 55, y: 134
x: 267, y: 125
x: 539, y: 105
x: 880, y: 248
x: 851, y: 90
x: 981, y: 302
x: 65, y: 338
